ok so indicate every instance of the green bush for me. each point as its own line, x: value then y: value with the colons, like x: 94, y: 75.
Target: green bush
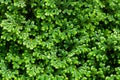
x: 60, y: 39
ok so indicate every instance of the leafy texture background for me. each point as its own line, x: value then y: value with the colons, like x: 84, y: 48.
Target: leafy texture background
x: 60, y: 39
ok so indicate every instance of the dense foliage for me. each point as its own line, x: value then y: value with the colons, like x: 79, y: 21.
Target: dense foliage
x: 60, y: 39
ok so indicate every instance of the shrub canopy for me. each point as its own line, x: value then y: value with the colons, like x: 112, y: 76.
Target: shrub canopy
x: 60, y: 39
